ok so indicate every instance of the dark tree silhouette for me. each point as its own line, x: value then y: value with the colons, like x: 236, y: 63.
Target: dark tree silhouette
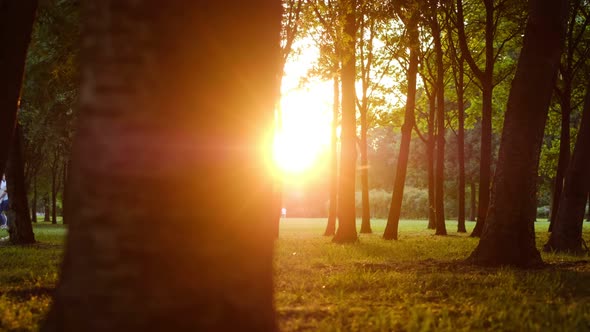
x: 391, y: 229
x: 509, y: 235
x: 20, y: 227
x: 176, y: 116
x: 16, y: 24
x: 567, y: 230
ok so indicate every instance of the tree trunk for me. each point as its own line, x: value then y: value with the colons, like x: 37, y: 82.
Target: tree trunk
x: 46, y: 209
x: 439, y: 181
x: 430, y: 148
x: 54, y: 190
x: 391, y: 229
x: 333, y: 209
x: 66, y: 171
x: 567, y: 231
x: 19, y: 221
x: 34, y: 200
x: 473, y: 209
x: 346, y: 201
x: 366, y: 210
x: 16, y: 24
x: 564, y: 157
x: 461, y: 149
x: 588, y: 211
x: 509, y: 235
x: 173, y: 132
x: 485, y: 161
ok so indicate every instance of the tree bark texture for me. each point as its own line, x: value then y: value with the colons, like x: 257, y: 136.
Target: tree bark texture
x: 20, y: 228
x: 509, y: 235
x: 34, y: 200
x: 174, y: 132
x: 333, y: 208
x: 346, y: 231
x: 391, y: 229
x: 567, y: 231
x: 16, y: 24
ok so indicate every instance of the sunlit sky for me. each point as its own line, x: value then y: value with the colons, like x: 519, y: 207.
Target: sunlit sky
x: 306, y: 116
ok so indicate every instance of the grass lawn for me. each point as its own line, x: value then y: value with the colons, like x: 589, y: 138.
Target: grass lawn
x: 418, y: 283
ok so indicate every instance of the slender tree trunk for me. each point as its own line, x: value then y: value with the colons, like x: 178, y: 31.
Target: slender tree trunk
x: 16, y: 24
x: 159, y: 90
x: 430, y: 148
x: 473, y: 209
x: 66, y: 171
x: 485, y: 161
x: 366, y: 210
x: 564, y: 153
x: 54, y: 190
x: 567, y: 231
x: 34, y: 200
x: 509, y: 235
x: 461, y: 149
x: 588, y: 210
x: 333, y: 209
x: 439, y: 181
x: 391, y: 229
x: 20, y: 227
x: 46, y: 209
x: 346, y: 231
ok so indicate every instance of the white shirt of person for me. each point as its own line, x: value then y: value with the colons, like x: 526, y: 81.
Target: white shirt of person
x: 3, y: 190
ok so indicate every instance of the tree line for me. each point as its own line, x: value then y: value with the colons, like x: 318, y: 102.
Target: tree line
x: 456, y: 61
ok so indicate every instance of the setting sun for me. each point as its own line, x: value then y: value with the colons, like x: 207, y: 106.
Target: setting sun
x: 303, y: 136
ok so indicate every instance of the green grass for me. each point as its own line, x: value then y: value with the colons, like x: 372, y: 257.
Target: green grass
x: 27, y: 277
x: 418, y: 283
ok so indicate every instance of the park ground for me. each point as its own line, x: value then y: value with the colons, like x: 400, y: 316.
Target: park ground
x: 419, y: 283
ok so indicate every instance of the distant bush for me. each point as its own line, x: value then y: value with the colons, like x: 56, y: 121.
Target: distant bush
x: 414, y: 203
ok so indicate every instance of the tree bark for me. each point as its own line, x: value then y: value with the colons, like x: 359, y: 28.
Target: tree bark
x: 175, y: 126
x: 20, y: 228
x: 34, y: 200
x: 346, y: 231
x: 509, y: 235
x: 473, y: 209
x: 333, y: 208
x: 461, y: 148
x: 391, y: 229
x: 567, y: 231
x: 54, y: 190
x: 46, y: 209
x: 439, y: 181
x: 564, y: 157
x: 16, y: 24
x: 430, y: 149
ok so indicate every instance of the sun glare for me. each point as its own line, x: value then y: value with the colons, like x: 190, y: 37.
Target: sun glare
x: 303, y: 136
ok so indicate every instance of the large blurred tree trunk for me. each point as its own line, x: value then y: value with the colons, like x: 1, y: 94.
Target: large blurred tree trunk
x: 567, y: 226
x: 391, y: 229
x: 346, y: 231
x: 170, y: 221
x: 16, y: 24
x: 20, y: 227
x: 509, y: 235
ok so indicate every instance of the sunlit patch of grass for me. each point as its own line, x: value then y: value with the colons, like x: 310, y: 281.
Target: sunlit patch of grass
x: 28, y: 275
x: 420, y: 283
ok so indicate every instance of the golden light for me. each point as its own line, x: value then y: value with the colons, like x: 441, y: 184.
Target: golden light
x: 303, y: 134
